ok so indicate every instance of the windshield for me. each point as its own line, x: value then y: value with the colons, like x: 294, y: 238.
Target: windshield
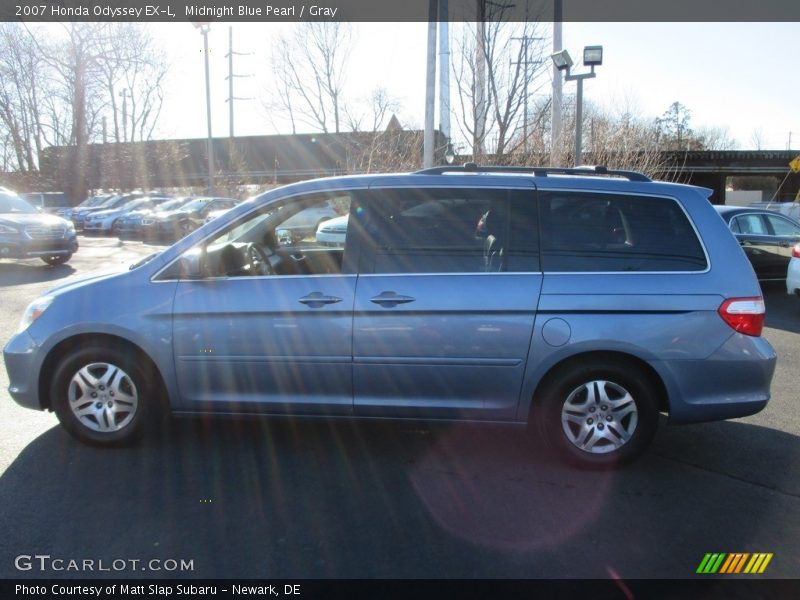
x: 134, y: 203
x: 195, y: 204
x: 170, y: 205
x: 10, y: 204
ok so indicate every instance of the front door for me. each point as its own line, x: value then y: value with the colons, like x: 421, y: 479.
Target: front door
x: 256, y: 333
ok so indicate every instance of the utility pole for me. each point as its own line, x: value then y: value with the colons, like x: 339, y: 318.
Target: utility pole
x: 478, y: 146
x: 444, y: 69
x: 231, y: 75
x: 525, y: 40
x: 430, y: 87
x: 204, y: 27
x: 555, y: 128
x: 124, y: 94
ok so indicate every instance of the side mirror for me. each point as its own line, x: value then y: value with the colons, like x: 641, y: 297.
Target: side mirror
x: 284, y: 237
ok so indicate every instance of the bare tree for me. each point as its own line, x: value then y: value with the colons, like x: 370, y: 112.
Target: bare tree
x: 371, y: 113
x: 512, y: 57
x: 309, y: 69
x: 757, y: 139
x: 714, y: 138
x: 133, y: 68
x: 23, y: 82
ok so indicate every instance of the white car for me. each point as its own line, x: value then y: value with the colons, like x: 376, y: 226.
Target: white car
x: 332, y: 232
x: 793, y: 275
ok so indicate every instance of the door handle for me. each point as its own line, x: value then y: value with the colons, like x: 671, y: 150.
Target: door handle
x: 318, y: 300
x: 785, y: 244
x: 390, y: 299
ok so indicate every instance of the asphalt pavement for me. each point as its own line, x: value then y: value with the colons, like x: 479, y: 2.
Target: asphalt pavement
x: 289, y: 499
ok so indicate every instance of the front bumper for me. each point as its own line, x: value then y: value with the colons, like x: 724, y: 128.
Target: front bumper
x: 20, y: 247
x: 97, y: 226
x: 20, y: 355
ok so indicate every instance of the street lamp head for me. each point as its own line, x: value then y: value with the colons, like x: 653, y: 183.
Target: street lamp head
x: 562, y: 60
x: 449, y: 154
x: 593, y: 56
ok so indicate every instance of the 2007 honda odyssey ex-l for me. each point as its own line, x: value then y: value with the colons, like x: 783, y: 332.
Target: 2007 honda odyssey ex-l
x: 581, y: 302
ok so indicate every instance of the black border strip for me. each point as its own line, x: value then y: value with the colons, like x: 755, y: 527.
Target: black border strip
x: 709, y: 588
x: 183, y: 11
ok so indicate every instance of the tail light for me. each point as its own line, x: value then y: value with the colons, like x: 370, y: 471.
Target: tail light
x: 796, y: 251
x: 744, y: 315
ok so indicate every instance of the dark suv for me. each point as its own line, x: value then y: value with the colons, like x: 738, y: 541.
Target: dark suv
x: 27, y: 233
x: 580, y: 302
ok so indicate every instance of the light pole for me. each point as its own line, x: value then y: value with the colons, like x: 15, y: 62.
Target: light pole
x: 592, y: 57
x: 204, y: 27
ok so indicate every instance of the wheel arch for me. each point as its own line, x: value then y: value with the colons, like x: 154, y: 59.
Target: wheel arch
x: 596, y: 356
x: 62, y: 349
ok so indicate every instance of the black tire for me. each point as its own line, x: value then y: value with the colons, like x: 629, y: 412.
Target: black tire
x: 57, y: 259
x: 570, y: 412
x: 120, y: 422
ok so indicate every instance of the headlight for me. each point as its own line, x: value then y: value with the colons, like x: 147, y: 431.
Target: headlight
x: 34, y: 311
x: 70, y: 227
x: 8, y: 230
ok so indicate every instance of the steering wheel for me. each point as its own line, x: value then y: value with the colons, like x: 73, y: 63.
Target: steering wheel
x: 259, y: 260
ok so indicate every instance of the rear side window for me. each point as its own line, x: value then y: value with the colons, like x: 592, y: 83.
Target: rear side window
x: 449, y: 231
x: 584, y: 232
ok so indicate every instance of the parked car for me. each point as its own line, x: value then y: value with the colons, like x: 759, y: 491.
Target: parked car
x: 27, y: 233
x: 767, y: 238
x: 91, y: 202
x: 592, y: 301
x: 79, y: 215
x: 49, y: 202
x: 793, y: 273
x: 178, y: 223
x: 105, y: 221
x: 129, y: 226
x: 332, y: 232
x: 306, y: 222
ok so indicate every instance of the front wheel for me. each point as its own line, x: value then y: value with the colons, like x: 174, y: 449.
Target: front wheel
x: 599, y: 414
x: 101, y: 396
x: 57, y: 259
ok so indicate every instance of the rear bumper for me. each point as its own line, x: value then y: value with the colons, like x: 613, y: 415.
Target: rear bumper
x: 733, y: 382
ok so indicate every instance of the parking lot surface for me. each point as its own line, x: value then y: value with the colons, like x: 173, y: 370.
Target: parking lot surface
x: 295, y: 499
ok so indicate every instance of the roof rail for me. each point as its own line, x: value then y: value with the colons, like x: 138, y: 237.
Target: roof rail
x: 471, y: 167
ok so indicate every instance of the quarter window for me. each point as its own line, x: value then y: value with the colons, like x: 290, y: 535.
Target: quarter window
x: 607, y: 232
x: 783, y: 227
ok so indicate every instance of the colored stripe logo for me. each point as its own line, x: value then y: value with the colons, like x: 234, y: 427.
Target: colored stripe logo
x: 734, y: 563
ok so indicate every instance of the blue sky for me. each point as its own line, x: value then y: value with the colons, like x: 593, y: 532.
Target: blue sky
x: 739, y: 76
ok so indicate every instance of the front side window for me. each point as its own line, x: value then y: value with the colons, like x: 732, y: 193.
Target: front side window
x: 750, y: 225
x: 280, y: 240
x: 584, y: 232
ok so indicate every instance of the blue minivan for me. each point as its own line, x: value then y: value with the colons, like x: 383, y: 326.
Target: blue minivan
x: 581, y: 302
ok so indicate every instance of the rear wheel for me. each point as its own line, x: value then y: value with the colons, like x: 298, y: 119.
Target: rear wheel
x: 598, y: 414
x: 101, y: 395
x: 57, y: 259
